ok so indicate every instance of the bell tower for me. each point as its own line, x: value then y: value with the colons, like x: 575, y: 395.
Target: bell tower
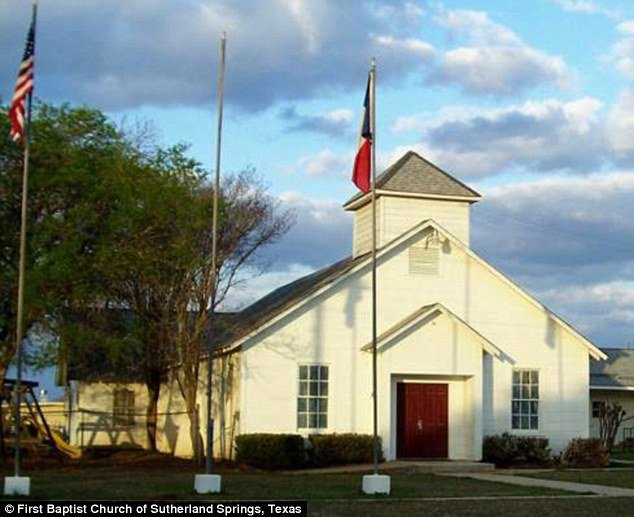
x: 407, y: 193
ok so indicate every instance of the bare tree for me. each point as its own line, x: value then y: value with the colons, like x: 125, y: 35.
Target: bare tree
x: 611, y: 416
x: 249, y: 221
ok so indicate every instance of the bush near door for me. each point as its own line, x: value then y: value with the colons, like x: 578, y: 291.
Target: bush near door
x: 292, y: 451
x: 506, y: 449
x: 341, y: 449
x: 585, y: 453
x: 271, y: 451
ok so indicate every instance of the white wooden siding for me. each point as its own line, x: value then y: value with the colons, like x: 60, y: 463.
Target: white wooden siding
x: 396, y: 215
x: 402, y: 213
x: 93, y: 413
x: 333, y: 327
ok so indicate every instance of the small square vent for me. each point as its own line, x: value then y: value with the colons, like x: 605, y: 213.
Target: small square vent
x: 423, y: 260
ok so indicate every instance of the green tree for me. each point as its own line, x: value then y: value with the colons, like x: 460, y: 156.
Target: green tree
x: 119, y: 247
x: 102, y: 235
x: 72, y: 152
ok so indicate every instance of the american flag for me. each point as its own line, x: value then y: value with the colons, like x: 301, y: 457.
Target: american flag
x: 23, y: 86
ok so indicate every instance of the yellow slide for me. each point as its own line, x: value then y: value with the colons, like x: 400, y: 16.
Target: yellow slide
x: 69, y: 450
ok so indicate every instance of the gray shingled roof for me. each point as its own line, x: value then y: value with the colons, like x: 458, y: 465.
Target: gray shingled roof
x: 225, y: 328
x: 413, y: 173
x: 282, y: 298
x: 616, y: 372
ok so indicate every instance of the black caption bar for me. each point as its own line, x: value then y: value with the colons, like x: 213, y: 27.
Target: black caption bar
x: 231, y: 508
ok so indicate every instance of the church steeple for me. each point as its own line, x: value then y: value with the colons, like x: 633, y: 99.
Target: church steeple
x: 408, y: 192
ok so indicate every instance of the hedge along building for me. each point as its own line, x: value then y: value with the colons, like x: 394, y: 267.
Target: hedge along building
x: 463, y: 351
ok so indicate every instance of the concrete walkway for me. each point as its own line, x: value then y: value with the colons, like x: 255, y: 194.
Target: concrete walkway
x: 569, y: 486
x: 410, y: 467
x: 623, y: 462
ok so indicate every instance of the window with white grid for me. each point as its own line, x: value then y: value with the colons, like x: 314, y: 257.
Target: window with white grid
x: 312, y: 398
x: 525, y: 402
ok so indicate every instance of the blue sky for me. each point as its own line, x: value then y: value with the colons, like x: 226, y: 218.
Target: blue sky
x: 532, y: 103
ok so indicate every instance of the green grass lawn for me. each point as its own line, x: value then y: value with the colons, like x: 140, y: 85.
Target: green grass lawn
x: 628, y: 455
x: 120, y: 484
x: 621, y: 478
x: 565, y: 507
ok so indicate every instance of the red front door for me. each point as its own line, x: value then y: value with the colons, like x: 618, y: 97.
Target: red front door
x: 422, y: 420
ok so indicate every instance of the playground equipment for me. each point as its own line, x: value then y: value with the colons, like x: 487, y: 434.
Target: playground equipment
x: 36, y: 436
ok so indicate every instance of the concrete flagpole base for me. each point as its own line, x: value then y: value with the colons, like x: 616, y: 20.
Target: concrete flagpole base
x: 17, y: 485
x: 207, y: 483
x: 376, y: 484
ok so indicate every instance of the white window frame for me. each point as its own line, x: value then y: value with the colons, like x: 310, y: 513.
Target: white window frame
x: 527, y: 403
x: 311, y: 390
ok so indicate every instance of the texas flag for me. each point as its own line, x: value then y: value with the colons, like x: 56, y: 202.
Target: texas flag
x: 361, y: 170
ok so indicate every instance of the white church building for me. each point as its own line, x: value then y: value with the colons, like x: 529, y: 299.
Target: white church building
x: 463, y: 352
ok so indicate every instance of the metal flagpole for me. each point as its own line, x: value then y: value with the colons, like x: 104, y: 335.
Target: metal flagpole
x: 375, y: 448
x: 21, y: 268
x: 214, y: 243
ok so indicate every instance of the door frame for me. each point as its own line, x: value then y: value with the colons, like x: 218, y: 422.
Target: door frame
x: 454, y: 383
x: 458, y: 403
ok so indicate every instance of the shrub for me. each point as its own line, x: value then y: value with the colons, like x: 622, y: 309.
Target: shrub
x: 585, y: 453
x: 506, y: 448
x: 271, y: 451
x: 340, y: 449
x: 533, y: 449
x: 499, y: 449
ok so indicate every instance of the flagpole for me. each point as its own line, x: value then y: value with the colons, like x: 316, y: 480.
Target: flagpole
x: 19, y: 330
x: 375, y: 448
x: 214, y: 243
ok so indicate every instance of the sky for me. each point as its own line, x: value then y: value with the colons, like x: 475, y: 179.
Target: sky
x: 531, y: 103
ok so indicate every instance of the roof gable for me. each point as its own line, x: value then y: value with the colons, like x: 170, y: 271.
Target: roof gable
x: 281, y: 299
x: 413, y: 174
x: 349, y: 266
x: 429, y: 313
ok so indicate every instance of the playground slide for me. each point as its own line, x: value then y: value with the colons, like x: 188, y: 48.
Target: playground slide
x: 69, y: 450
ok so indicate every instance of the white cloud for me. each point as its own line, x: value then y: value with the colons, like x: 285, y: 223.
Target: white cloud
x: 301, y: 12
x: 534, y: 136
x: 558, y: 229
x: 567, y: 239
x: 501, y: 71
x: 587, y: 7
x: 617, y: 294
x: 623, y: 50
x: 477, y: 27
x: 407, y: 12
x: 321, y: 235
x: 621, y: 124
x: 339, y: 116
x: 493, y: 60
x: 253, y: 288
x: 334, y: 122
x: 326, y: 163
x: 604, y: 309
x: 116, y: 55
x: 580, y: 6
x: 414, y: 46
